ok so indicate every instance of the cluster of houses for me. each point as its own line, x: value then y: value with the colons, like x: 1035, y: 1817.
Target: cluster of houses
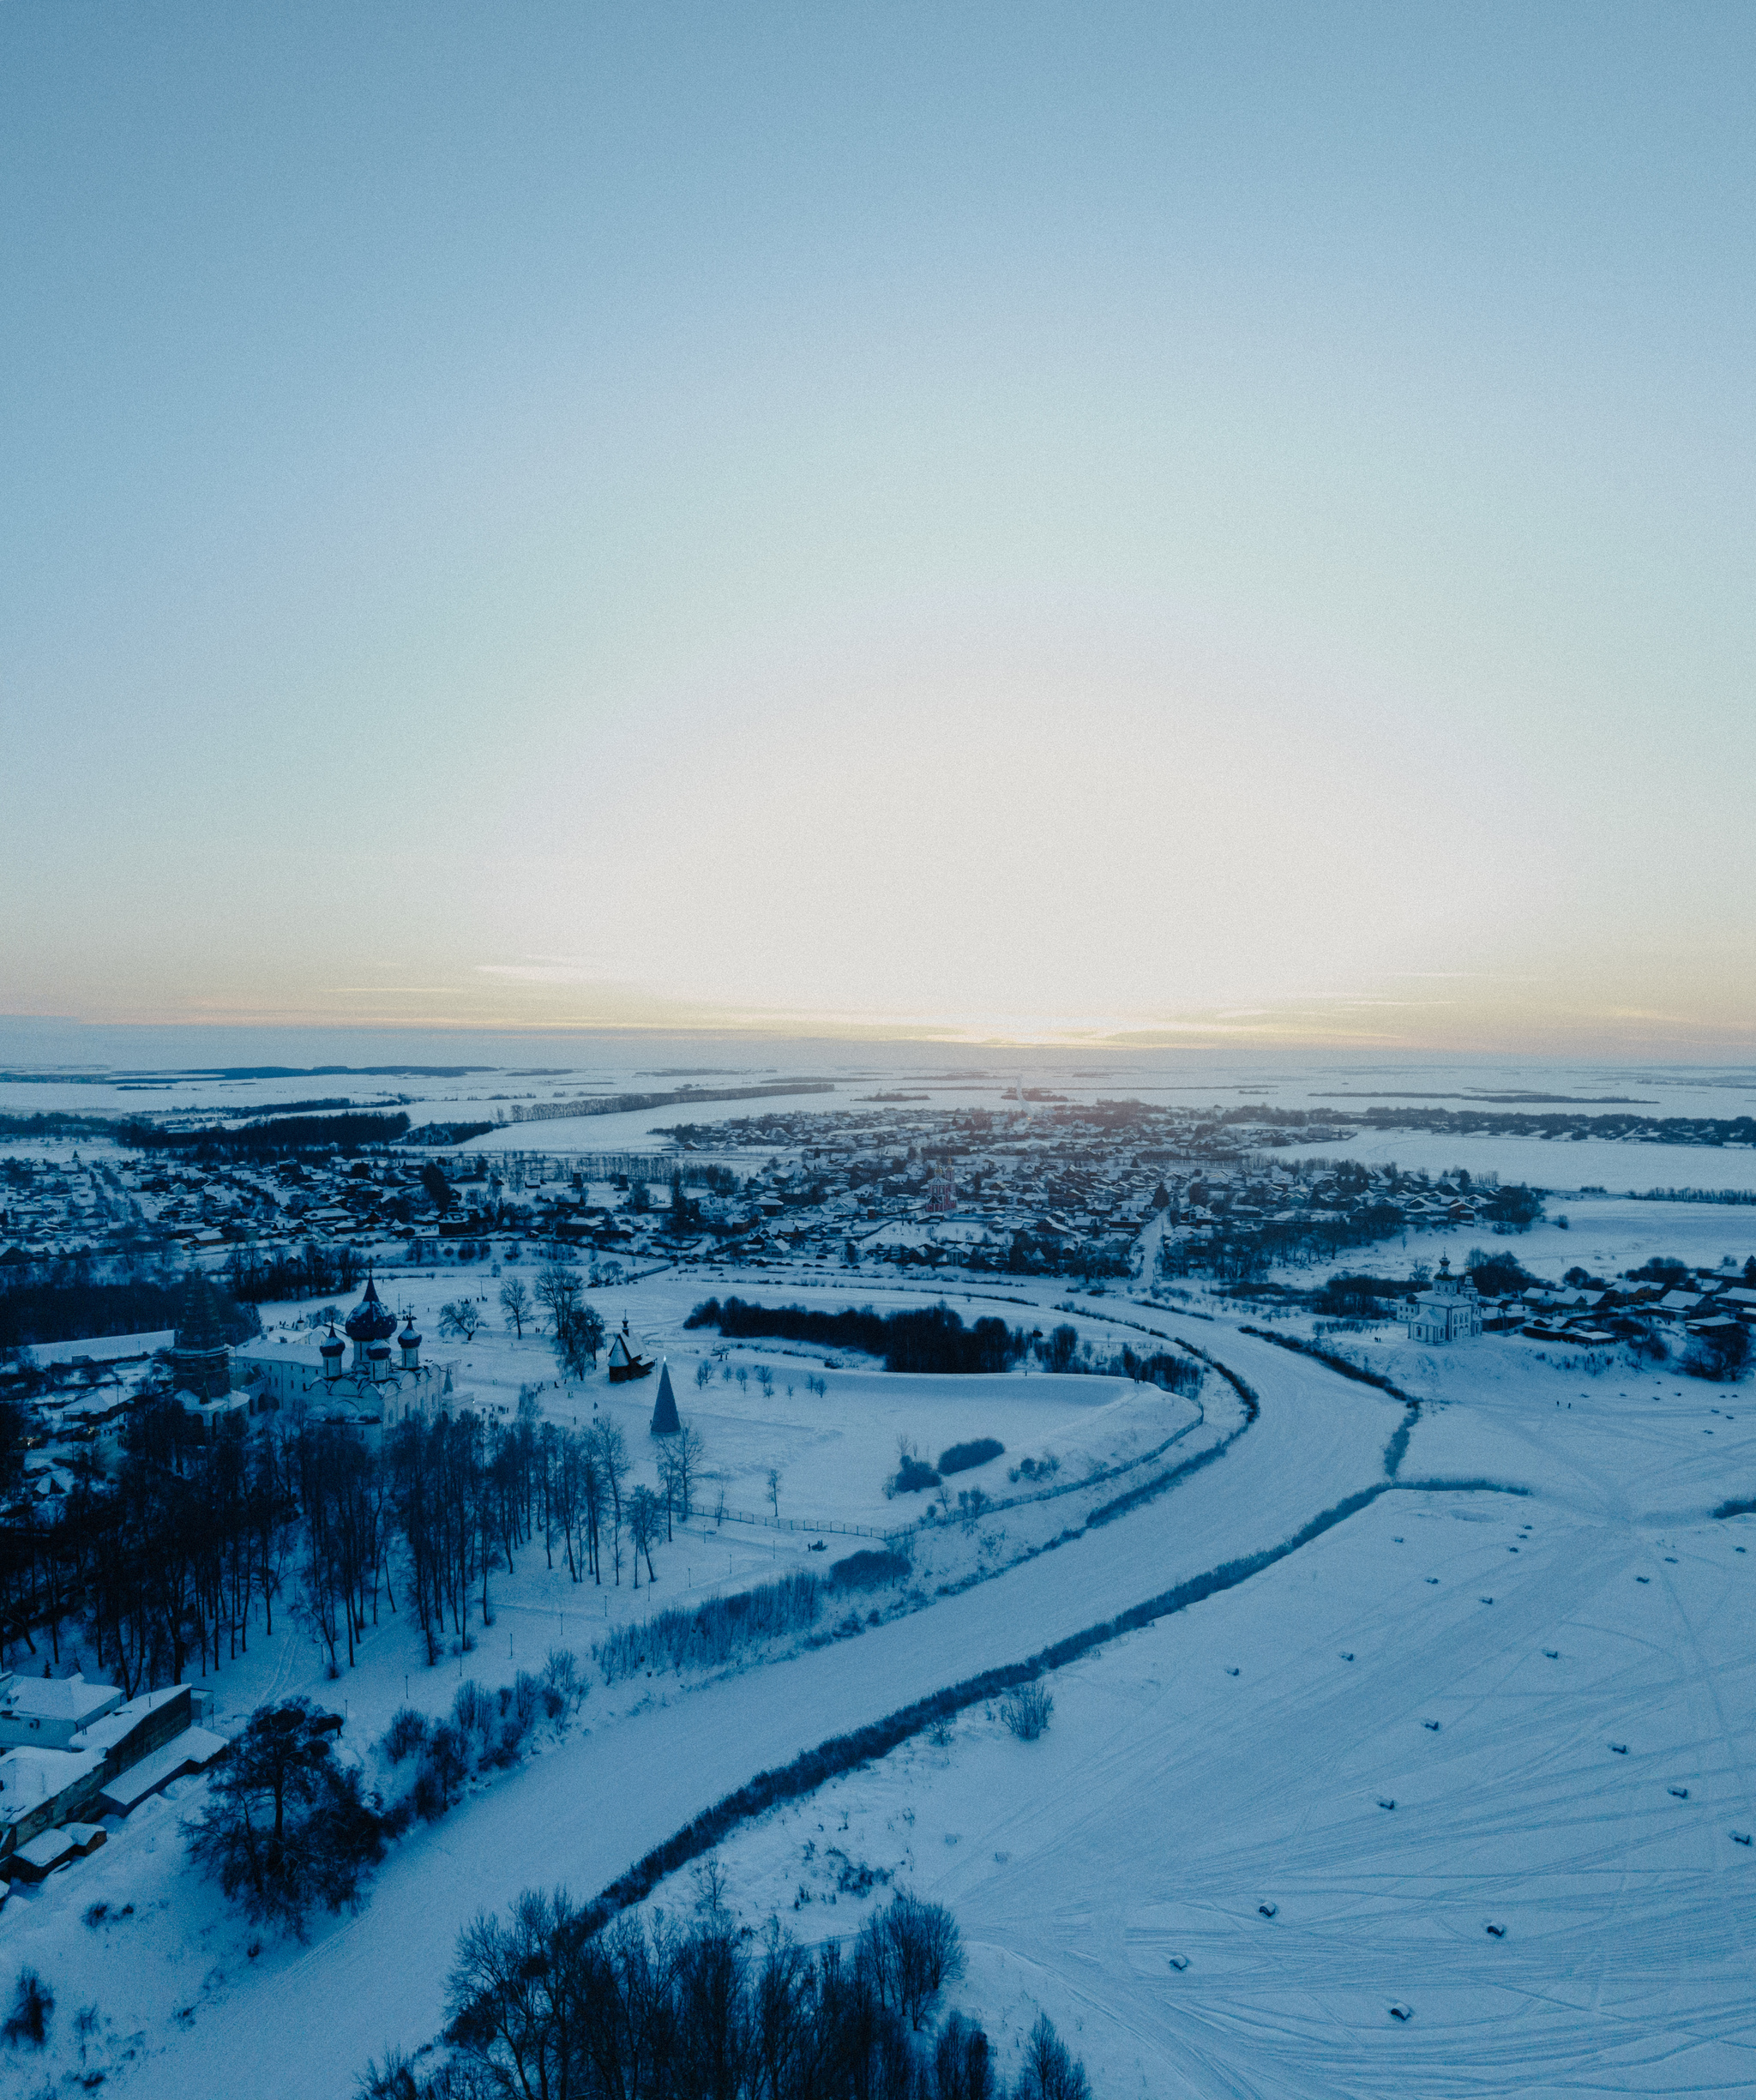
x: 365, y: 1380
x: 1712, y: 1304
x: 1045, y: 1187
x: 73, y: 1757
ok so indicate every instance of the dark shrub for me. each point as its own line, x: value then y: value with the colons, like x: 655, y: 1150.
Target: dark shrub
x: 913, y: 1477
x: 563, y: 1686
x: 960, y: 1458
x: 33, y: 2001
x: 447, y: 1764
x: 406, y: 1735
x: 865, y: 1570
x: 1026, y: 1711
x: 472, y: 1711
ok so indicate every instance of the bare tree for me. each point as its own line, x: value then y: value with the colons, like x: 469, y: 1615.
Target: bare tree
x: 578, y: 1340
x: 609, y: 1452
x: 559, y: 1284
x: 461, y: 1318
x: 688, y: 1454
x: 642, y: 1523
x: 515, y: 1304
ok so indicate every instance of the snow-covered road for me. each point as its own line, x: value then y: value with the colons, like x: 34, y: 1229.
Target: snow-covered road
x: 305, y: 2021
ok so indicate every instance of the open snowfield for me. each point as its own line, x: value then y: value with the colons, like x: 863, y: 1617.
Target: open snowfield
x: 1168, y: 1798
x: 1560, y: 1164
x: 1606, y: 1236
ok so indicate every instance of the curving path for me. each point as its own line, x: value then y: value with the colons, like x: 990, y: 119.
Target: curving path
x: 303, y: 2023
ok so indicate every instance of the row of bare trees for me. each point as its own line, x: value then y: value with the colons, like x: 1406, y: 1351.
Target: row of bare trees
x: 546, y: 2003
x: 169, y: 1566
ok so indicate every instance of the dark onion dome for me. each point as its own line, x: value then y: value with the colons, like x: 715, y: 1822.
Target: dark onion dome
x: 371, y: 1320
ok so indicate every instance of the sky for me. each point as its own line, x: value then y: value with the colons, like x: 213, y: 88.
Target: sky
x: 1219, y: 524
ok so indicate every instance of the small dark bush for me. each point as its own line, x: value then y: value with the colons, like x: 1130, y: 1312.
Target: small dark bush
x: 562, y: 1682
x: 33, y: 2001
x: 397, y: 1818
x: 406, y: 1735
x: 961, y: 1457
x: 446, y: 1766
x: 1026, y: 1711
x: 473, y: 1710
x: 913, y: 1477
x: 867, y: 1569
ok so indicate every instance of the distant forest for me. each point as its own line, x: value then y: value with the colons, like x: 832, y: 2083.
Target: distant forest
x: 261, y: 1141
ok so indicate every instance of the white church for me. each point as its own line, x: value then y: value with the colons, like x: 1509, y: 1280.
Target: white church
x: 367, y: 1395
x: 1448, y: 1310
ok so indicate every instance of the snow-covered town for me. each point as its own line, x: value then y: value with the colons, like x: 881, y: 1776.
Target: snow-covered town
x: 898, y: 1455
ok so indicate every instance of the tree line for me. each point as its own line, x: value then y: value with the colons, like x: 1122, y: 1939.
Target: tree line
x: 266, y: 1139
x: 544, y: 2002
x: 255, y: 1276
x: 931, y: 1339
x: 174, y: 1562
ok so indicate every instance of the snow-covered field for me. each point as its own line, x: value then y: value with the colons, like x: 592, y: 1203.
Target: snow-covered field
x: 1560, y: 1164
x: 1169, y: 1798
x: 1606, y: 1236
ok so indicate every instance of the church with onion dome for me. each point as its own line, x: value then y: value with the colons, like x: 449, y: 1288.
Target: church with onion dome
x: 366, y: 1378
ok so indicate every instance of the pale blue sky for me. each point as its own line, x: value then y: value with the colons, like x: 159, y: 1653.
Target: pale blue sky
x: 1018, y: 515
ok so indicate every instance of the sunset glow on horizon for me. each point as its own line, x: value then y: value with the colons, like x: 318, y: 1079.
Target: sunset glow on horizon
x: 1155, y: 526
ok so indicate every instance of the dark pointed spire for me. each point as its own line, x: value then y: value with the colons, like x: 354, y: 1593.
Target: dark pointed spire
x: 665, y: 1420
